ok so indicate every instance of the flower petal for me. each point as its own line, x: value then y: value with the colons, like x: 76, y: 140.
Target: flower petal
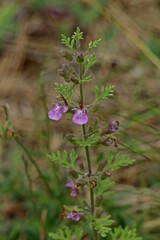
x: 80, y: 117
x: 75, y: 216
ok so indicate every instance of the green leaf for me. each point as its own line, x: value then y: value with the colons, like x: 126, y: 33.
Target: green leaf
x: 65, y: 233
x: 124, y: 234
x: 65, y: 90
x: 78, y: 35
x: 64, y: 158
x: 118, y: 161
x: 86, y: 79
x: 102, y: 225
x: 104, y: 93
x: 89, y: 141
x: 7, y: 13
x: 93, y: 44
x: 89, y: 62
x: 67, y: 41
x: 103, y: 186
x: 62, y: 234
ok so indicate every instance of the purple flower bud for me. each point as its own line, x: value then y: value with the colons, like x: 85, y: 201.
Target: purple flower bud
x: 80, y: 117
x: 114, y: 126
x: 56, y: 112
x: 74, y: 216
x: 72, y: 185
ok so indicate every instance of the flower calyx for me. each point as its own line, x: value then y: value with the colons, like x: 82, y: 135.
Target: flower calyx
x: 92, y: 182
x: 67, y: 55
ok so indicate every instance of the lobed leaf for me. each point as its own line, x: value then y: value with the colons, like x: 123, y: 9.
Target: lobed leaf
x: 89, y: 62
x: 104, y: 93
x: 65, y: 90
x: 64, y: 158
x: 86, y: 79
x: 102, y: 225
x: 65, y: 233
x: 103, y: 186
x: 89, y: 141
x: 67, y: 41
x: 77, y: 35
x: 124, y: 234
x: 93, y: 44
x: 118, y: 161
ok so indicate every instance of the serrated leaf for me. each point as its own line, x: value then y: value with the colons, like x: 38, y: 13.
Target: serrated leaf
x: 102, y: 225
x: 103, y: 93
x: 124, y: 234
x: 64, y: 158
x: 118, y: 161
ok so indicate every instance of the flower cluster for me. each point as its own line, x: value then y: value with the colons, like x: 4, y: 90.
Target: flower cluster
x: 80, y: 116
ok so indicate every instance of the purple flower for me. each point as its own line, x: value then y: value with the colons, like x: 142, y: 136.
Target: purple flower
x: 114, y: 126
x: 72, y: 185
x: 80, y: 117
x: 74, y: 216
x: 56, y: 111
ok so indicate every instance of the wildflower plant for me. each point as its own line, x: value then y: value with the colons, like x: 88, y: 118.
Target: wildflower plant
x: 86, y: 186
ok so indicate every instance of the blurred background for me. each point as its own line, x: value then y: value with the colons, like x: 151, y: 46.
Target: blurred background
x: 31, y: 195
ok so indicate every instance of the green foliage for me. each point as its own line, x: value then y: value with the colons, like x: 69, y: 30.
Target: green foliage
x: 104, y: 93
x: 93, y: 44
x: 124, y: 234
x: 64, y: 158
x: 89, y: 62
x: 7, y: 12
x: 77, y: 35
x: 103, y: 186
x: 86, y: 79
x: 65, y: 90
x: 65, y: 233
x: 102, y: 225
x: 69, y: 41
x: 115, y: 162
x: 89, y: 141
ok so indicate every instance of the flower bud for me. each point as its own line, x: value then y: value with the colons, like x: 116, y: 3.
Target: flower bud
x: 81, y: 182
x: 74, y: 79
x: 80, y: 57
x: 101, y: 165
x: 92, y: 182
x: 114, y: 126
x: 105, y: 174
x: 73, y: 174
x: 67, y: 55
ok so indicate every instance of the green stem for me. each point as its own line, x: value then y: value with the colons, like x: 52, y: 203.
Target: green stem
x: 87, y: 148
